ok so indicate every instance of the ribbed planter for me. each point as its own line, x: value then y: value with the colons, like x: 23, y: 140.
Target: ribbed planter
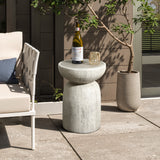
x: 128, y: 91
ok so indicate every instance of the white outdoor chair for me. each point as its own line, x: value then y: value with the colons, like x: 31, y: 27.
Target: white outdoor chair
x: 18, y: 99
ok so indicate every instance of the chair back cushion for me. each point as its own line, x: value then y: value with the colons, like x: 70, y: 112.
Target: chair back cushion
x: 10, y: 45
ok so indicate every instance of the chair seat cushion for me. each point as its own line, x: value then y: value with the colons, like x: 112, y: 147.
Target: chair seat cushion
x: 13, y: 98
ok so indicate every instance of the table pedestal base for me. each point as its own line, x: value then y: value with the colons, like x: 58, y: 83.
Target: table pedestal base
x: 82, y: 107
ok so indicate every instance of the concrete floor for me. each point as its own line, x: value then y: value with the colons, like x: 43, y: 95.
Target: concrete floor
x: 122, y: 136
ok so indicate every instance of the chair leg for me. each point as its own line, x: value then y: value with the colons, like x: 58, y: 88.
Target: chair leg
x: 33, y: 132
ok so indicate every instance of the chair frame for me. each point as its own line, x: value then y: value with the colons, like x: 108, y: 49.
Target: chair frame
x: 31, y: 88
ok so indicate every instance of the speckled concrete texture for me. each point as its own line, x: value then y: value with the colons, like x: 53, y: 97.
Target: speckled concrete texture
x: 151, y: 110
x: 81, y: 107
x: 122, y: 136
x: 81, y: 97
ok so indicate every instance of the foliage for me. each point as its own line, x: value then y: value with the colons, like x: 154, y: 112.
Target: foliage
x: 83, y: 11
x: 146, y: 16
x: 57, y: 5
x: 58, y: 94
x: 156, y: 5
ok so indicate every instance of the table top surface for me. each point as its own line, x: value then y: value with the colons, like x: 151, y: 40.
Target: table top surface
x: 85, y: 65
x: 81, y: 73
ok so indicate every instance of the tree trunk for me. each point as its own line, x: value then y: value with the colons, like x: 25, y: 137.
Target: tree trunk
x: 130, y: 64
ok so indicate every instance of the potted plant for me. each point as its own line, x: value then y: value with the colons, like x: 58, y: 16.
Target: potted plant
x: 128, y: 82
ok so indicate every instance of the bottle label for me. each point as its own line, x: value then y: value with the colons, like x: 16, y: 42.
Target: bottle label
x: 77, y: 53
x: 77, y: 29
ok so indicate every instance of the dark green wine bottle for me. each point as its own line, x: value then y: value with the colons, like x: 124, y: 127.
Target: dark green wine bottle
x: 77, y: 46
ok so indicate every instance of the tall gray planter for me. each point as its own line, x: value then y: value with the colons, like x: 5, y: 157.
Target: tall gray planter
x: 128, y: 91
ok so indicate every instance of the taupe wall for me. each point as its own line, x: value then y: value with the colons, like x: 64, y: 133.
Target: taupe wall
x: 114, y: 55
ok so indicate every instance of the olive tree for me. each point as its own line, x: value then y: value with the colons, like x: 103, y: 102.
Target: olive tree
x: 123, y: 32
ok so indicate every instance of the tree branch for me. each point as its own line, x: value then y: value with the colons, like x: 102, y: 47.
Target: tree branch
x: 124, y: 10
x: 100, y: 26
x: 105, y: 27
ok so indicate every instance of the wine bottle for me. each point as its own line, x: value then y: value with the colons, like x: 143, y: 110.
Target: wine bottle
x: 77, y: 46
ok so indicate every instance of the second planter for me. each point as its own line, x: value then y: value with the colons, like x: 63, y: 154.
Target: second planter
x: 128, y: 91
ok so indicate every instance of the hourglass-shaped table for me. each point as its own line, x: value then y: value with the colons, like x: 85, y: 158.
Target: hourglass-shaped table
x: 81, y: 97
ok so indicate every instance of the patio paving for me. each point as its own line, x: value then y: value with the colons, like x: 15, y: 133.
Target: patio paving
x: 122, y: 136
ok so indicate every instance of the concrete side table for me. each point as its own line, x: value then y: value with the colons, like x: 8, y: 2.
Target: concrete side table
x: 82, y: 97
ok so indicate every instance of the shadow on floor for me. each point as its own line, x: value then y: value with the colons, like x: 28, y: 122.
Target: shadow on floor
x: 58, y: 124
x: 110, y: 108
x: 4, y: 140
x: 41, y: 123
